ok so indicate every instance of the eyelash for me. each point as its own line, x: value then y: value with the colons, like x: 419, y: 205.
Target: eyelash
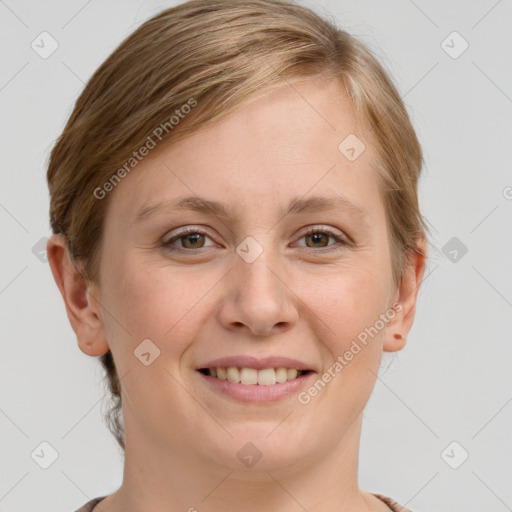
x: 167, y: 244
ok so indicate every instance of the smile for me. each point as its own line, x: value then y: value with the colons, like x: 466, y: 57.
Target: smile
x: 251, y: 376
x: 250, y: 385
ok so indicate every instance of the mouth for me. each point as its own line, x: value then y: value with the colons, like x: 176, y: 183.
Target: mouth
x: 252, y: 376
x: 247, y: 378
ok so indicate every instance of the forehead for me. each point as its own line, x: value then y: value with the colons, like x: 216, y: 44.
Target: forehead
x: 288, y: 142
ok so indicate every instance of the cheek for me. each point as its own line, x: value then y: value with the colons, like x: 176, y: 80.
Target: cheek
x: 163, y: 306
x: 351, y: 297
x: 349, y: 309
x: 148, y: 301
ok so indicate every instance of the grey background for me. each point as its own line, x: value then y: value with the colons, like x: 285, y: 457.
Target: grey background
x: 452, y: 382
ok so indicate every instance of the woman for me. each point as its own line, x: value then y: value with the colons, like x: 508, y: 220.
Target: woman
x: 237, y: 236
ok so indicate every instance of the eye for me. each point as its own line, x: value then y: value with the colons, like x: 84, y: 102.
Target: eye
x: 190, y: 238
x: 319, y: 236
x: 194, y: 239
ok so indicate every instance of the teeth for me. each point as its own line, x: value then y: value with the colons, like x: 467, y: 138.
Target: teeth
x: 265, y: 377
x: 281, y: 374
x: 248, y: 376
x: 291, y: 373
x: 233, y: 374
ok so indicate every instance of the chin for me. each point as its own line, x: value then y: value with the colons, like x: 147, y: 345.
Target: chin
x: 263, y: 446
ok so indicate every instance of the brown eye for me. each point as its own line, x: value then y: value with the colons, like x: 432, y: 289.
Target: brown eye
x: 192, y: 239
x: 318, y: 238
x: 189, y: 239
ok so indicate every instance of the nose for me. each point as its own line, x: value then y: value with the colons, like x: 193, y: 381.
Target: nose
x: 259, y: 297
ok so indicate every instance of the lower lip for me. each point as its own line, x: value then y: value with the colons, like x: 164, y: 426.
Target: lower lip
x: 256, y: 392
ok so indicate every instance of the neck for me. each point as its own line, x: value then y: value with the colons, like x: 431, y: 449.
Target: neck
x: 153, y: 480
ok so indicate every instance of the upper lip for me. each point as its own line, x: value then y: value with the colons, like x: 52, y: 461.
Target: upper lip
x: 258, y: 363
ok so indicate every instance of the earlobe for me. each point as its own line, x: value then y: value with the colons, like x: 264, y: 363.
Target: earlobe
x: 397, y: 330
x: 83, y: 312
x: 397, y: 342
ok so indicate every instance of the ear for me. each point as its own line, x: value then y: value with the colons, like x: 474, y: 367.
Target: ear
x: 82, y: 309
x: 405, y: 297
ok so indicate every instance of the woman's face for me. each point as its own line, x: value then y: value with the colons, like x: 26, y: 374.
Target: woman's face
x: 250, y: 283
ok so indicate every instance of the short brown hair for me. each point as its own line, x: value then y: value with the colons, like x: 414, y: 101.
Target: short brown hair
x: 219, y: 53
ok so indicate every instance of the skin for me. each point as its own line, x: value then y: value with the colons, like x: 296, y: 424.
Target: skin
x: 294, y: 300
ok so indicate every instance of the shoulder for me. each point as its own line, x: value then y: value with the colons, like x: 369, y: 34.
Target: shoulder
x: 392, y: 504
x: 90, y: 505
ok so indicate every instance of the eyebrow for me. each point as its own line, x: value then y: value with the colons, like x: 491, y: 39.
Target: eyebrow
x: 215, y: 208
